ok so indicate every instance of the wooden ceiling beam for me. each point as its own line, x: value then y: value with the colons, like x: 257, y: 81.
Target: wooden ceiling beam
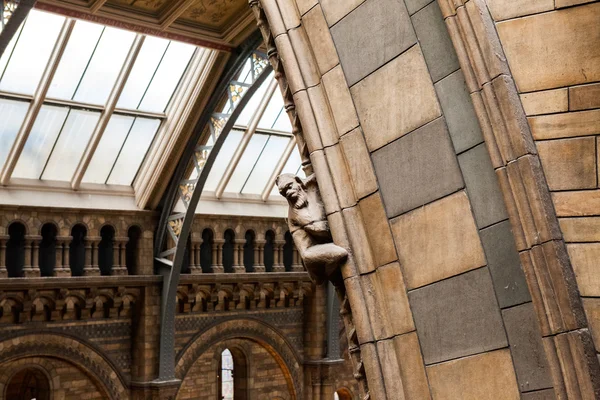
x: 174, y: 12
x: 97, y: 5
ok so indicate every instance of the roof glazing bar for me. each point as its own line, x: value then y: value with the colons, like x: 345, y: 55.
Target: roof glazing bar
x: 277, y: 171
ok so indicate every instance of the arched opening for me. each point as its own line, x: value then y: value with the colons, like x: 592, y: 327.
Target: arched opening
x: 48, y: 250
x: 288, y: 251
x: 206, y: 250
x: 15, y: 250
x: 342, y: 394
x: 105, y: 250
x: 77, y: 250
x: 185, y: 263
x: 228, y: 250
x: 233, y: 375
x: 28, y: 384
x: 269, y: 250
x: 132, y: 250
x: 249, y: 251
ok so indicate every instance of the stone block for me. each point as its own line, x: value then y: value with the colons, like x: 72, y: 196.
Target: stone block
x: 457, y: 317
x: 392, y: 287
x: 545, y: 102
x: 355, y: 228
x: 335, y: 10
x: 584, y: 259
x: 568, y: 3
x: 581, y: 203
x: 482, y: 186
x: 506, y: 9
x: 358, y: 160
x: 323, y: 115
x: 378, y: 230
x: 584, y: 97
x: 534, y: 44
x: 415, y: 5
x: 371, y: 35
x: 423, y: 161
x: 505, y: 265
x: 525, y: 339
x: 304, y: 56
x: 373, y: 297
x: 435, y: 42
x: 340, y: 100
x: 341, y: 178
x: 585, y: 229
x: 305, y: 5
x: 569, y: 164
x: 484, y: 376
x: 556, y: 126
x: 373, y: 372
x: 459, y: 112
x: 320, y: 39
x: 394, y: 386
x: 412, y: 369
x: 390, y: 104
x: 437, y: 241
x: 547, y: 394
x: 592, y: 312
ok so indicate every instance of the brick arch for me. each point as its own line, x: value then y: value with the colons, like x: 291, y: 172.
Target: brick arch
x: 39, y: 363
x: 72, y: 350
x: 251, y: 329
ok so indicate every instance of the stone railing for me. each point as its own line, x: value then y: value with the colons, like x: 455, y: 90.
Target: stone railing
x: 224, y: 292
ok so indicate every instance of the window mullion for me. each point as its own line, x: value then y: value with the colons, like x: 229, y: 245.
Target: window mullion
x: 239, y: 151
x: 107, y: 112
x: 38, y: 100
x: 277, y: 171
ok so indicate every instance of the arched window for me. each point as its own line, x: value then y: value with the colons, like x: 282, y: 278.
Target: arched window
x: 77, y: 250
x: 249, y: 251
x: 30, y: 383
x: 132, y: 250
x: 15, y: 250
x: 233, y: 375
x: 206, y: 251
x: 185, y: 264
x: 269, y: 251
x: 48, y: 250
x: 105, y: 250
x: 228, y: 250
x: 288, y: 251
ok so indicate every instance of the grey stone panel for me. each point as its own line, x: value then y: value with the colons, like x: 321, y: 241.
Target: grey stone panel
x: 526, y: 346
x: 505, y: 265
x: 371, y: 35
x: 415, y: 5
x: 458, y: 317
x: 417, y: 168
x: 482, y: 186
x: 435, y: 41
x: 547, y: 394
x: 459, y: 112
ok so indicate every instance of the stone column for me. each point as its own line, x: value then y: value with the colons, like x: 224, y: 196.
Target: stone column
x: 195, y: 267
x: 238, y: 256
x: 259, y: 251
x: 91, y: 267
x: 30, y: 270
x: 297, y: 264
x: 3, y: 271
x: 62, y: 266
x: 278, y: 256
x: 218, y: 260
x: 119, y: 248
x: 36, y: 254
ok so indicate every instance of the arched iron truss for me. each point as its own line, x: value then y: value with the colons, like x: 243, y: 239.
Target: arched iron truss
x: 174, y: 227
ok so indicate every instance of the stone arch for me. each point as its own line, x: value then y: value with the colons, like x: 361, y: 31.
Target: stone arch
x: 42, y: 368
x: 85, y: 356
x: 251, y: 329
x: 344, y: 393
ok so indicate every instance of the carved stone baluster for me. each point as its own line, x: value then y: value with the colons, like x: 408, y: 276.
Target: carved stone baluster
x: 260, y: 249
x: 238, y: 256
x: 3, y: 271
x: 218, y: 266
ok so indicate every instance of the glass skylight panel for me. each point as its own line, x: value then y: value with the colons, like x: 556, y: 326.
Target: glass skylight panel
x: 272, y: 112
x: 133, y: 152
x: 41, y: 139
x: 31, y: 53
x: 11, y: 115
x: 8, y: 51
x: 104, y: 67
x: 223, y: 158
x: 253, y: 151
x: 70, y: 145
x: 167, y: 76
x: 253, y: 103
x: 79, y: 50
x: 283, y: 123
x: 266, y: 164
x: 108, y: 149
x: 143, y: 70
